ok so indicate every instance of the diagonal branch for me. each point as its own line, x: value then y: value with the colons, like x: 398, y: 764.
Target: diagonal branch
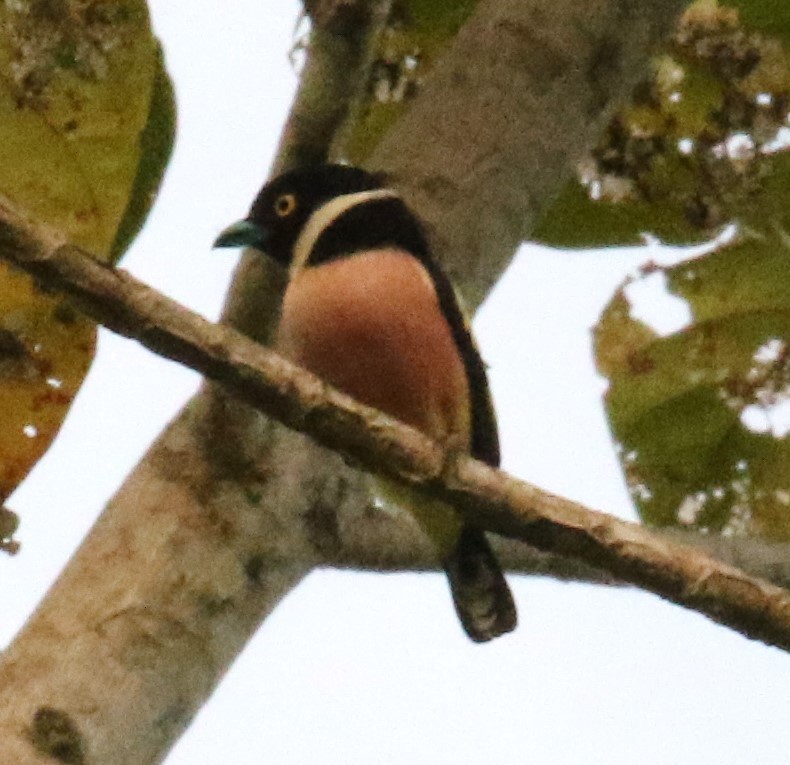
x: 489, y: 497
x: 226, y: 512
x: 385, y: 543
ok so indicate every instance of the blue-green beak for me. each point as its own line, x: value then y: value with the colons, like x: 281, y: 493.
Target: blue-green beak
x: 243, y: 234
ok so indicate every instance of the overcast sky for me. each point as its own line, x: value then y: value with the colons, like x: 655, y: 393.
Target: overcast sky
x: 593, y: 675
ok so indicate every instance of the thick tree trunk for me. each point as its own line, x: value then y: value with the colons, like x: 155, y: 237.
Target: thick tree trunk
x: 227, y: 512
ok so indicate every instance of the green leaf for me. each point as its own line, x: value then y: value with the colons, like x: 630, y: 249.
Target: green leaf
x: 697, y: 148
x: 576, y: 220
x: 86, y: 123
x: 74, y: 101
x: 697, y: 414
x: 156, y: 145
x: 417, y: 33
x: 772, y: 17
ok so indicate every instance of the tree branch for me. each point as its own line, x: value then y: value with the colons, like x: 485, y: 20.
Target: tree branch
x: 382, y: 542
x: 501, y: 122
x: 485, y: 496
x: 226, y: 512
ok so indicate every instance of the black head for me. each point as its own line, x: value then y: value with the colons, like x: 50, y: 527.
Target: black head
x: 284, y: 205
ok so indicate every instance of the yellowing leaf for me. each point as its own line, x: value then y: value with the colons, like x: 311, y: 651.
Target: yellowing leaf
x: 74, y: 99
x: 86, y: 122
x: 46, y: 348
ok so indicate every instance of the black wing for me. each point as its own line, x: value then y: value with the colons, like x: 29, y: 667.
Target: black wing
x: 485, y: 435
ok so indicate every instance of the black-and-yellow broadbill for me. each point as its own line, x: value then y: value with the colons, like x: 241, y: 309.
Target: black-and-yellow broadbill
x: 368, y: 309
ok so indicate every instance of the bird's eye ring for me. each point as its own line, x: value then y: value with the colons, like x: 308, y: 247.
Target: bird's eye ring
x: 284, y: 205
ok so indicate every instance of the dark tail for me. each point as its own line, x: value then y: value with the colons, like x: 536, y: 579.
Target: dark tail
x: 480, y: 592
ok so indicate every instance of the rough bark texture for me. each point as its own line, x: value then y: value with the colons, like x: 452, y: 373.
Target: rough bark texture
x: 503, y: 119
x: 214, y: 525
x: 262, y: 379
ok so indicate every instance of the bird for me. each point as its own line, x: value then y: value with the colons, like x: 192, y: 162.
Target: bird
x: 368, y: 309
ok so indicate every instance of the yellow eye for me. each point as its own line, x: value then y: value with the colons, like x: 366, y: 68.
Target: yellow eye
x: 284, y: 205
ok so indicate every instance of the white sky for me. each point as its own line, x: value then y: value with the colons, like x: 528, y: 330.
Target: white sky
x: 593, y: 675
